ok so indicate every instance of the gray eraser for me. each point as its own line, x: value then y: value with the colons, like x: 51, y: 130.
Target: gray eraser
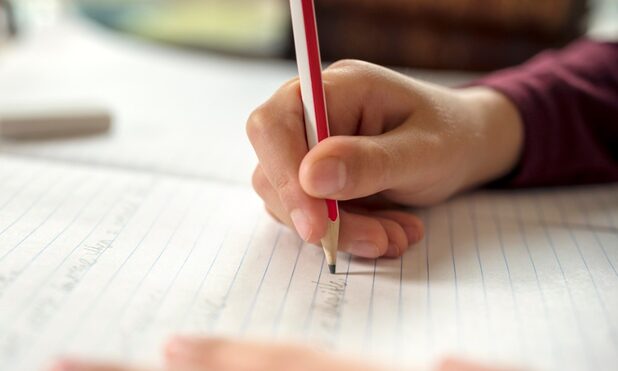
x: 54, y: 122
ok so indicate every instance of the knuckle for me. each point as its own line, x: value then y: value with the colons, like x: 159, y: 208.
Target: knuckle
x: 436, y: 147
x: 287, y: 190
x: 260, y: 182
x: 352, y: 74
x: 381, y: 158
x: 292, y: 83
x: 355, y: 67
x: 272, y: 214
x: 283, y: 184
x: 346, y: 64
x: 258, y: 123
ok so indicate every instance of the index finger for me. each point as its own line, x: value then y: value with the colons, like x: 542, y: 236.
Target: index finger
x: 277, y: 132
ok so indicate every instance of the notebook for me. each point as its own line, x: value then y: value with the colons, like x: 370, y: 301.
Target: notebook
x: 108, y: 263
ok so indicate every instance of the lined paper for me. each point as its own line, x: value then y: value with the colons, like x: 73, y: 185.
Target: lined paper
x: 108, y: 263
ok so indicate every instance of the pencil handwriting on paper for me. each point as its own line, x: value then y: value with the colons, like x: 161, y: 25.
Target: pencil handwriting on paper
x: 329, y: 307
x: 6, y: 278
x: 46, y: 301
x: 97, y: 279
x: 207, y: 310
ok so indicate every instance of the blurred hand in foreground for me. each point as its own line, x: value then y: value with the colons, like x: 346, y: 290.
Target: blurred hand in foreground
x: 192, y: 354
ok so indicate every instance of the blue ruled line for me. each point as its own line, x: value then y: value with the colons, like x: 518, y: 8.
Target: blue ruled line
x: 277, y: 322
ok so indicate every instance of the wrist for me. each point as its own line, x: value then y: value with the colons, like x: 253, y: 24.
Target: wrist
x: 499, y: 135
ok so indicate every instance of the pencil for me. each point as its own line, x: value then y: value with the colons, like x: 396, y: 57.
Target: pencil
x: 314, y: 104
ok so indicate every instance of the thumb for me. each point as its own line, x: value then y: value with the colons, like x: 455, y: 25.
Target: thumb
x: 349, y: 167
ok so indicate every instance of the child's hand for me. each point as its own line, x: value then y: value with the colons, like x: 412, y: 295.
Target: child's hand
x: 395, y: 141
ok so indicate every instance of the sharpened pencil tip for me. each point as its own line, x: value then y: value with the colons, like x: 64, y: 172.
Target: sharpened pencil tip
x: 332, y: 268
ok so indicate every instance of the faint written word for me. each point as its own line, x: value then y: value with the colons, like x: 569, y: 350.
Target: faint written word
x: 328, y: 305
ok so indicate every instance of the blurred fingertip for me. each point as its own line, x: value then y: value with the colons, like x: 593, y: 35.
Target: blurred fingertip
x: 68, y: 364
x: 183, y: 344
x: 61, y: 365
x: 180, y: 347
x: 455, y: 364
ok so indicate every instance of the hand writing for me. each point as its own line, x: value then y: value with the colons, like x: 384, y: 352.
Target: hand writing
x: 395, y: 141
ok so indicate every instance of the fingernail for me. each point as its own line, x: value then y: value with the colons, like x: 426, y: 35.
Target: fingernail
x: 180, y: 347
x: 301, y: 223
x: 364, y: 249
x: 414, y: 235
x: 329, y: 176
x: 393, y: 250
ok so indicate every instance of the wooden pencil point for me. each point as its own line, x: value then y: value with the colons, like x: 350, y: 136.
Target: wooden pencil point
x: 330, y: 244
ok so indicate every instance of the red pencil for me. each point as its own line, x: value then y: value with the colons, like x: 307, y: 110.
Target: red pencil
x: 314, y: 102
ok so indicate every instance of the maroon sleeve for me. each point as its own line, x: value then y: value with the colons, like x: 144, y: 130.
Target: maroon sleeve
x: 568, y: 101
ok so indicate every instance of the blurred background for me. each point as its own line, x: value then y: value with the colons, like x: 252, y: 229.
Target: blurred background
x: 180, y: 77
x: 446, y: 34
